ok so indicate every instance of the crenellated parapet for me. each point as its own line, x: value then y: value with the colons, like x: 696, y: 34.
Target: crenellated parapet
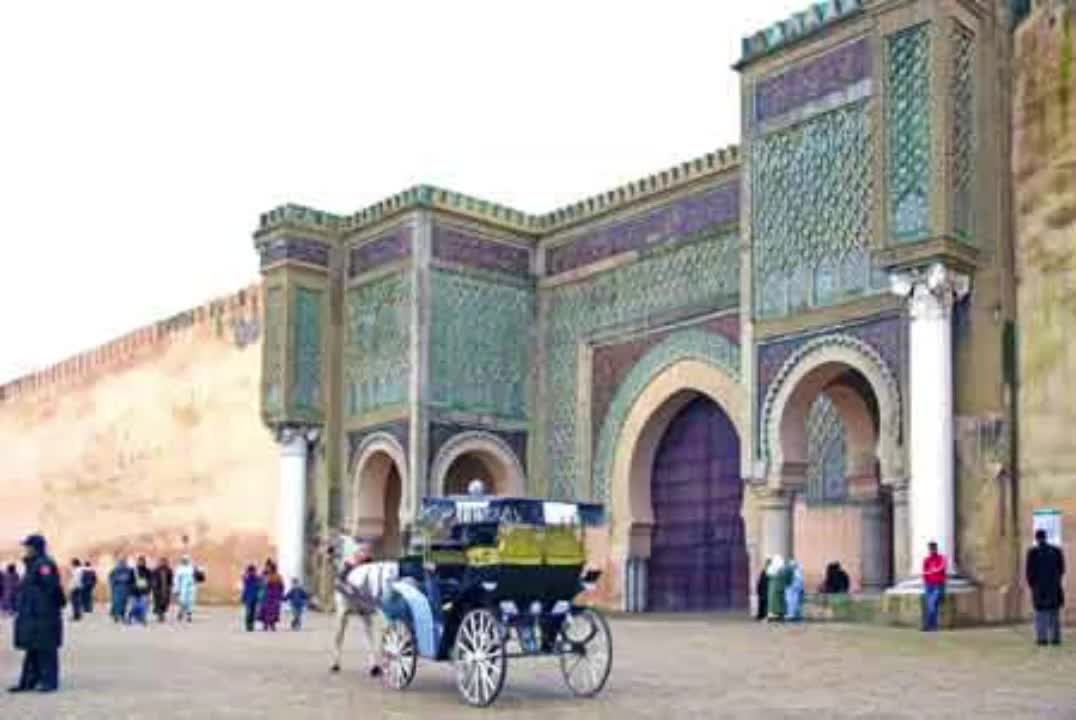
x: 818, y: 17
x: 234, y: 318
x: 325, y: 227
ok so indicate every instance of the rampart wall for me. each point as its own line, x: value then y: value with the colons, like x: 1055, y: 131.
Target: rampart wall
x: 150, y: 444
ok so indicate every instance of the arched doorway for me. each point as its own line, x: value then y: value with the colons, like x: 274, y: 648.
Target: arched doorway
x: 463, y: 470
x: 833, y: 434
x: 378, y: 492
x: 698, y: 556
x: 477, y: 455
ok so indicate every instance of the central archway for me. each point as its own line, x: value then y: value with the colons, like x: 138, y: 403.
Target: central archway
x: 698, y: 555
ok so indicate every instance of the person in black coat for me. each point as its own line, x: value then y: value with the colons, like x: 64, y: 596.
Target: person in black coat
x: 762, y: 588
x: 1045, y: 569
x: 39, y: 622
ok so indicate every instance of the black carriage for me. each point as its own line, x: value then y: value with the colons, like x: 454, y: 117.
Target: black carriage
x: 491, y: 579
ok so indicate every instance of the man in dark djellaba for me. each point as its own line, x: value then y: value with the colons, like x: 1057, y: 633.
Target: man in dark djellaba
x: 39, y: 622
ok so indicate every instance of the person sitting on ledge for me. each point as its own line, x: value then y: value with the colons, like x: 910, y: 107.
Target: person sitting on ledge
x: 836, y: 581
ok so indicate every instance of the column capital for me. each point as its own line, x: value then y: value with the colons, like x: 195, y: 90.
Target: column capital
x: 930, y: 291
x: 286, y: 434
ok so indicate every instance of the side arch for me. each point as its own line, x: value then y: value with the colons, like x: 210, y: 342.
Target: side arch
x: 510, y: 477
x: 375, y: 458
x: 714, y: 351
x: 837, y: 351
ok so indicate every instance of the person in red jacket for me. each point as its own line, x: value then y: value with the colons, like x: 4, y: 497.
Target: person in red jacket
x: 934, y: 570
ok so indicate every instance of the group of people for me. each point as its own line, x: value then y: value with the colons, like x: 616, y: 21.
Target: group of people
x: 263, y: 595
x: 133, y: 588
x: 780, y: 590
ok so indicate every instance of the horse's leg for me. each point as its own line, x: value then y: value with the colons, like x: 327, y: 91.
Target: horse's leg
x: 338, y: 638
x: 373, y: 648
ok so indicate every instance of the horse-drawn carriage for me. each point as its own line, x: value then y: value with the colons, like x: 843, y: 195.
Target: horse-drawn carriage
x: 489, y: 579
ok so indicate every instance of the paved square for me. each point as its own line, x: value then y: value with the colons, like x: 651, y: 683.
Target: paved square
x: 664, y: 668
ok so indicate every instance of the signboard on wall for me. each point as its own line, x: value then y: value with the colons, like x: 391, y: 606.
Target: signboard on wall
x: 1049, y: 520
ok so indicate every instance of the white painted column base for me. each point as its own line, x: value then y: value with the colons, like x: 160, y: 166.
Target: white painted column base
x: 291, y: 507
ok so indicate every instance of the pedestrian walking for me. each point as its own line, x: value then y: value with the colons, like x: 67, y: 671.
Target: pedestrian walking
x: 74, y: 589
x: 120, y: 581
x: 39, y: 620
x: 161, y: 588
x: 272, y: 596
x: 935, y: 568
x: 252, y: 588
x: 186, y: 591
x: 9, y: 590
x: 140, y: 591
x: 89, y: 584
x: 1045, y: 571
x: 297, y: 598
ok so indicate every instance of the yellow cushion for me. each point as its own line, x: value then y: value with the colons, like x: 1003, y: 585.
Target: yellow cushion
x: 563, y: 546
x: 520, y: 545
x: 483, y: 556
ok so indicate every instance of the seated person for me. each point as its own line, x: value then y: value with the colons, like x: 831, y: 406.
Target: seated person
x: 836, y: 581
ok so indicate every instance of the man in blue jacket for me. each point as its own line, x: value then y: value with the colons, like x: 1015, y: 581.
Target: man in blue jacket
x: 39, y: 622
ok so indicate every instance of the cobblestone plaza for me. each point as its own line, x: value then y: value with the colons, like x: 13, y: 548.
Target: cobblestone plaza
x: 690, y: 666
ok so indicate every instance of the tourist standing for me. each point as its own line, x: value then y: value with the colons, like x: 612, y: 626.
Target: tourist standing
x: 140, y: 591
x: 89, y: 584
x: 74, y: 588
x: 252, y: 588
x: 793, y: 591
x: 120, y: 581
x: 161, y: 588
x: 1045, y: 571
x: 186, y: 589
x: 935, y: 568
x: 297, y: 598
x: 775, y: 606
x: 273, y: 595
x: 39, y: 622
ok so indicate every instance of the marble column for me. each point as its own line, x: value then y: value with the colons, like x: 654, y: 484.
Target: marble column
x: 930, y: 294
x: 775, y: 509
x: 291, y: 503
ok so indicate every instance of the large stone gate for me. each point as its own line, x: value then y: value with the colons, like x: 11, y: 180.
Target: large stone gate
x: 839, y: 287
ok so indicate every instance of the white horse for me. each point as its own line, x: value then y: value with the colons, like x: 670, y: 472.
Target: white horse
x: 360, y: 593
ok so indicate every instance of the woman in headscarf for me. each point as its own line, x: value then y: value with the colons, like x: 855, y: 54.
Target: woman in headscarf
x: 793, y: 591
x: 776, y: 589
x: 161, y: 587
x: 762, y: 589
x: 186, y: 589
x: 274, y: 595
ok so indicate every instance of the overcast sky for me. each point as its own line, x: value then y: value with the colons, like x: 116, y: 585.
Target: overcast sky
x: 139, y: 141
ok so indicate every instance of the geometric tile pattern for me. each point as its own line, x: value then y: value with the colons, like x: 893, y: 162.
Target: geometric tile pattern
x: 700, y: 276
x: 674, y: 222
x: 908, y: 127
x: 826, y: 454
x: 275, y: 339
x: 391, y: 246
x: 479, y: 344
x: 458, y: 246
x: 962, y: 90
x: 377, y: 351
x: 811, y: 207
x: 813, y: 80
x: 312, y: 252
x: 307, y: 334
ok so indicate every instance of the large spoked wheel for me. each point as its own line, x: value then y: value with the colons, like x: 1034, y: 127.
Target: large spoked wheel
x: 480, y: 659
x: 586, y: 652
x: 398, y: 655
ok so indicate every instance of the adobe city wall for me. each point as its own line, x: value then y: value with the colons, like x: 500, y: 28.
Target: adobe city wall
x: 1044, y: 165
x: 150, y: 444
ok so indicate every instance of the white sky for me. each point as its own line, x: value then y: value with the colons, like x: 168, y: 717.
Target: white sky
x: 139, y: 141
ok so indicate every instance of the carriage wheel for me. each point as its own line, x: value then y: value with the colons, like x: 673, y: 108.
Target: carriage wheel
x: 398, y: 656
x: 480, y: 659
x: 587, y: 655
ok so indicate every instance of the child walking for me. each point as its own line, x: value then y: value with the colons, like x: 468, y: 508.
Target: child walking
x: 297, y: 598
